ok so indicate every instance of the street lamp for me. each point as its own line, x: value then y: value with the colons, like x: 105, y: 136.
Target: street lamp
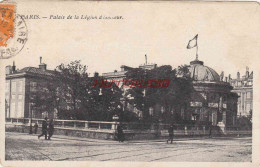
x: 31, y: 119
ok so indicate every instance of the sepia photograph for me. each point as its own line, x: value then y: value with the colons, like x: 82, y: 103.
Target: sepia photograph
x: 128, y: 81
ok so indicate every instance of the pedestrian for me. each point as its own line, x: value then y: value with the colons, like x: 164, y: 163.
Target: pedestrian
x: 170, y: 131
x: 120, y: 133
x: 51, y: 129
x: 44, y: 128
x: 35, y: 128
x: 210, y: 131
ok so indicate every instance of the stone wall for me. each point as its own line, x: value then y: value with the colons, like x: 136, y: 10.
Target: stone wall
x: 107, y: 134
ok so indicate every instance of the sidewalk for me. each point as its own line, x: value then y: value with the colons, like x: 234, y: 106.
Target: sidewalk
x: 62, y: 137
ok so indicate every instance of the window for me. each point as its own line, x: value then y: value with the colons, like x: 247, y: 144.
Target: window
x: 248, y: 107
x: 13, y: 113
x: 33, y: 86
x: 20, y: 86
x: 13, y: 97
x: 13, y: 86
x: 151, y: 111
x: 248, y: 95
x: 20, y: 109
x: 162, y: 109
x: 20, y: 97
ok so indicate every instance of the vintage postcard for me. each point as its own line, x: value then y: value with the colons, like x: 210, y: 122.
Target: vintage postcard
x: 129, y: 83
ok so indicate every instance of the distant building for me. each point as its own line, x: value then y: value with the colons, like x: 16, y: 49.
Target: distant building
x: 212, y: 101
x: 243, y: 86
x: 20, y: 85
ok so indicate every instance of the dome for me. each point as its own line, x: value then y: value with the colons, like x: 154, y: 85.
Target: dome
x: 199, y: 72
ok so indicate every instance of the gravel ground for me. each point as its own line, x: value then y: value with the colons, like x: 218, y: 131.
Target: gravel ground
x: 20, y: 146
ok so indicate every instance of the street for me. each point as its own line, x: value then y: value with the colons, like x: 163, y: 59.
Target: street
x: 21, y: 146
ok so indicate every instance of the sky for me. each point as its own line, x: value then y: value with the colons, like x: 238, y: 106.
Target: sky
x: 228, y: 37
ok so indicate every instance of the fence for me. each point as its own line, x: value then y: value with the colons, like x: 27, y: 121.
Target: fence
x: 101, y: 125
x: 106, y: 130
x: 74, y: 124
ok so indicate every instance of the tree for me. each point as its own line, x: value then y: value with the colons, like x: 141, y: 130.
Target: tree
x: 45, y: 99
x: 106, y: 100
x: 172, y: 97
x: 83, y: 100
x: 244, y: 123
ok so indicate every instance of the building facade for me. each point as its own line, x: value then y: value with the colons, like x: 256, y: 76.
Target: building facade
x: 243, y: 86
x: 20, y: 87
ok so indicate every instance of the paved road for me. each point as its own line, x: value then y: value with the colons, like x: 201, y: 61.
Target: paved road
x: 20, y: 146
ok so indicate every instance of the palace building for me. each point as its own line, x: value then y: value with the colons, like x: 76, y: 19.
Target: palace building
x: 212, y: 101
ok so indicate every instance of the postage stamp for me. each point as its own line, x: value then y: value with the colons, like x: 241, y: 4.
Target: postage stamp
x: 13, y: 31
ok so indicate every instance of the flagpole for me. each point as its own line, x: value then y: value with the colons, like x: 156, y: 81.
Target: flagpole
x: 197, y: 52
x: 197, y: 46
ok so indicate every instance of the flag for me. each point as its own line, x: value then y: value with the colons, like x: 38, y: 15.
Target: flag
x: 192, y: 43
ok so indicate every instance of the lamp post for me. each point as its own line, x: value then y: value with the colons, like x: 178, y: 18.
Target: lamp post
x: 115, y: 118
x: 102, y: 98
x: 31, y: 119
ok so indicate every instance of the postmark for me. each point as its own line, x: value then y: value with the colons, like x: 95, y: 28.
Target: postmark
x: 13, y: 31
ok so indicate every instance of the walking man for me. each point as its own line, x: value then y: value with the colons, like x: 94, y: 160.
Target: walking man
x: 120, y: 133
x: 170, y: 131
x: 44, y: 129
x: 210, y: 131
x: 51, y: 129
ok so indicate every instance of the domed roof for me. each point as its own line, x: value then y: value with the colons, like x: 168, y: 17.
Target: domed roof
x: 199, y: 72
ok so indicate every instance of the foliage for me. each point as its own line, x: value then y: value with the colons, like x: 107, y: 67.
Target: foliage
x: 71, y: 92
x: 45, y: 98
x: 73, y: 95
x: 173, y: 97
x: 244, y: 123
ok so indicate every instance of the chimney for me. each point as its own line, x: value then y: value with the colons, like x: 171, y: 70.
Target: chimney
x: 96, y: 74
x: 13, y: 67
x: 247, y: 72
x: 42, y: 66
x: 226, y: 79
x: 8, y: 70
x: 238, y: 75
x: 122, y: 68
x: 229, y: 77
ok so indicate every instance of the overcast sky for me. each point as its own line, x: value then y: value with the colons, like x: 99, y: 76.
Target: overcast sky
x: 228, y: 35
